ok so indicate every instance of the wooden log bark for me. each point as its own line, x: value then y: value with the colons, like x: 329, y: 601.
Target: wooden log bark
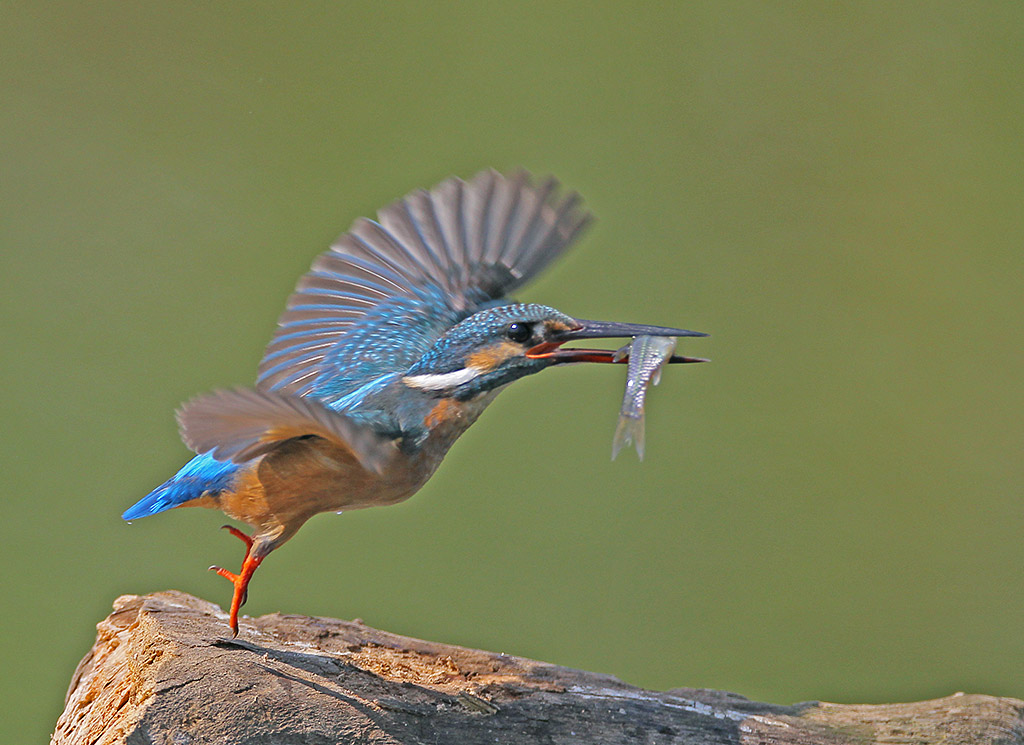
x: 165, y: 670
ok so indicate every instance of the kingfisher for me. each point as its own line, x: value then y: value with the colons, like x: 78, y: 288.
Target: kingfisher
x: 391, y: 346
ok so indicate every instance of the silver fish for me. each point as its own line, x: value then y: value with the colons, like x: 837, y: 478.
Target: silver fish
x: 647, y: 355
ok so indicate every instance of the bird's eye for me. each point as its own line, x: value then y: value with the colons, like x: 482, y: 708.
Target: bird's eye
x: 519, y: 332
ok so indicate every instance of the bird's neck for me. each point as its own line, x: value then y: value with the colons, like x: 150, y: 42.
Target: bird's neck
x: 419, y: 419
x: 448, y: 418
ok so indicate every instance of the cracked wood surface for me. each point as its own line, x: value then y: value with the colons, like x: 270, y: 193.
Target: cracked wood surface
x: 164, y: 669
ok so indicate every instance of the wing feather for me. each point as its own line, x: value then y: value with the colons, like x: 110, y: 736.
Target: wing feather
x: 397, y: 218
x: 523, y: 237
x: 447, y: 201
x: 376, y: 235
x: 242, y: 424
x: 478, y: 211
x: 507, y: 204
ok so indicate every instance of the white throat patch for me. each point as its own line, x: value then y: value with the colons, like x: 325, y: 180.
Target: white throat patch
x: 442, y: 381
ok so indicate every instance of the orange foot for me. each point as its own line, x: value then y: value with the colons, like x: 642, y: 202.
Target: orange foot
x: 240, y: 580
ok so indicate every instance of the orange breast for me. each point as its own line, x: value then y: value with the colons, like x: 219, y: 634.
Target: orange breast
x: 301, y: 478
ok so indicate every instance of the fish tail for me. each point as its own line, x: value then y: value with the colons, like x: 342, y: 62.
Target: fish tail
x: 630, y: 429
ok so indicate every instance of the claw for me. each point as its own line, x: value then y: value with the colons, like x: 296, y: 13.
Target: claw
x: 230, y: 576
x: 239, y: 535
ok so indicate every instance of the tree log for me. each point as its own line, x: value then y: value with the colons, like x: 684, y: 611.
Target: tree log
x: 164, y: 669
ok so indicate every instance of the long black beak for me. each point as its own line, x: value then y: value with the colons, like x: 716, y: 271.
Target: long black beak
x: 614, y: 330
x: 604, y: 330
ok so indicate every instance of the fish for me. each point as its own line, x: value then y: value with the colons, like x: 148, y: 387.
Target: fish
x: 647, y: 355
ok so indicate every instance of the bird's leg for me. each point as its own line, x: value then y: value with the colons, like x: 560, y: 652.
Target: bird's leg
x: 240, y: 580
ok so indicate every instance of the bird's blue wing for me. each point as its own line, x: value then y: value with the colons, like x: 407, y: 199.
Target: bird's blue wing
x: 387, y: 289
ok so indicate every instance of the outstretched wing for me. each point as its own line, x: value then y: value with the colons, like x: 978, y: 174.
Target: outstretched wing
x: 242, y: 424
x: 387, y: 289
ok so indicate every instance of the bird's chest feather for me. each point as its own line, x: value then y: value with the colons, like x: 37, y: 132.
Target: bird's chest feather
x: 306, y: 476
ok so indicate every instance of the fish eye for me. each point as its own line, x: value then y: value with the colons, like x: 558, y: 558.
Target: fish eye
x: 518, y: 332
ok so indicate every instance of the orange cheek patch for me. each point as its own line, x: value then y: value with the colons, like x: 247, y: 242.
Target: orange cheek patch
x: 557, y: 326
x: 489, y: 358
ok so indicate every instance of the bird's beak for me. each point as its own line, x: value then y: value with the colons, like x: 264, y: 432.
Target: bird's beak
x: 553, y: 350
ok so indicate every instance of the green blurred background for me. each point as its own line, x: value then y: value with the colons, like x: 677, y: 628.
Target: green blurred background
x: 831, y: 509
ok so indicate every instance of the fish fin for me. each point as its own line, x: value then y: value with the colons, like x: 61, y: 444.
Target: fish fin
x: 629, y: 430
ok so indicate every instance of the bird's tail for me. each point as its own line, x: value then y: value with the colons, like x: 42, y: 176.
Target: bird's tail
x: 201, y: 475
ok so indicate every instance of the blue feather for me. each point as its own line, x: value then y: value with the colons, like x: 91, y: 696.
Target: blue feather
x: 199, y: 476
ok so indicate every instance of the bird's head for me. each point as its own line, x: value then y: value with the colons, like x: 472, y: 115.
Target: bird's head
x: 498, y: 345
